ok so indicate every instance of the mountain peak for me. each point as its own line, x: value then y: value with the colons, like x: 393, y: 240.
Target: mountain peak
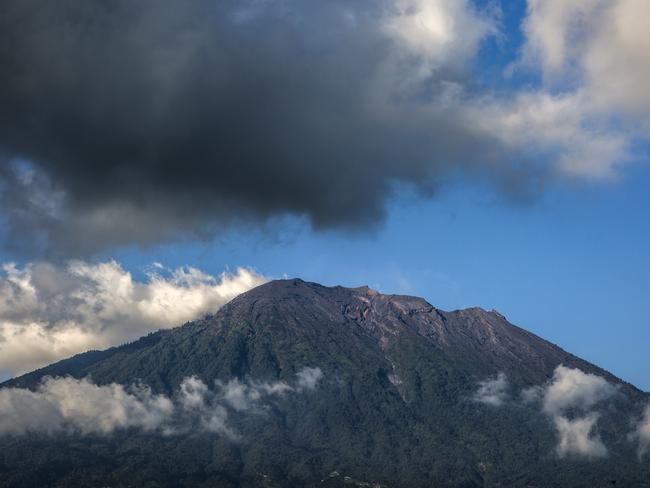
x: 291, y: 284
x: 283, y: 285
x: 390, y: 319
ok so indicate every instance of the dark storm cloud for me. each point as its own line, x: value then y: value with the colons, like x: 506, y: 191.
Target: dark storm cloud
x: 131, y: 121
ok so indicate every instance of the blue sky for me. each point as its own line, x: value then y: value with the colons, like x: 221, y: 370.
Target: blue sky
x: 551, y: 228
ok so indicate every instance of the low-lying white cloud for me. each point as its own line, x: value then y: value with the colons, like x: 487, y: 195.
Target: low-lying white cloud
x: 576, y: 437
x: 308, y: 378
x: 196, y: 400
x: 67, y: 404
x: 49, y: 312
x: 243, y: 396
x: 78, y: 406
x: 493, y: 391
x: 246, y: 395
x: 573, y: 390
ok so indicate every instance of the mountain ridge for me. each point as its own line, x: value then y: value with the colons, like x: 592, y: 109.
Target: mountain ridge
x: 478, y: 325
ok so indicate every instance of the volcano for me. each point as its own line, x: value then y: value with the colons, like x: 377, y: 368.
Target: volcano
x: 333, y: 386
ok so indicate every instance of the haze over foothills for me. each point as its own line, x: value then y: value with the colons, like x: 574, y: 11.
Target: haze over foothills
x: 159, y: 158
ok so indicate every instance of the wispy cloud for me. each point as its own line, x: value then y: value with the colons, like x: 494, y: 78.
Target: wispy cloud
x: 308, y: 378
x: 572, y: 388
x: 642, y: 432
x: 493, y: 391
x: 246, y: 396
x: 78, y: 406
x: 49, y: 312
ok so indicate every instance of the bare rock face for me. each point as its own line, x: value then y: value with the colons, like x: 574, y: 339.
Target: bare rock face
x: 470, y: 335
x: 396, y: 404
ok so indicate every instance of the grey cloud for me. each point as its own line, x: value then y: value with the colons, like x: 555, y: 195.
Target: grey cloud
x: 136, y: 121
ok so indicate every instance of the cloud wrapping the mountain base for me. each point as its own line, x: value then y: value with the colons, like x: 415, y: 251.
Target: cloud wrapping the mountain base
x: 195, y: 399
x: 71, y: 405
x: 493, y: 391
x: 49, y: 312
x: 78, y: 406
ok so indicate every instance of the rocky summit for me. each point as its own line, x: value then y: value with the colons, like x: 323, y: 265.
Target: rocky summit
x: 296, y: 384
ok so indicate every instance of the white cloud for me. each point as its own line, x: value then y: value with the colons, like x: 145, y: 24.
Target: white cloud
x: 67, y: 404
x: 571, y: 390
x: 79, y: 406
x: 575, y: 437
x: 616, y: 58
x: 246, y: 396
x: 493, y: 391
x: 600, y: 46
x: 552, y: 130
x: 583, y: 119
x: 49, y: 312
x: 192, y: 393
x: 556, y: 29
x: 593, y: 103
x: 197, y: 400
